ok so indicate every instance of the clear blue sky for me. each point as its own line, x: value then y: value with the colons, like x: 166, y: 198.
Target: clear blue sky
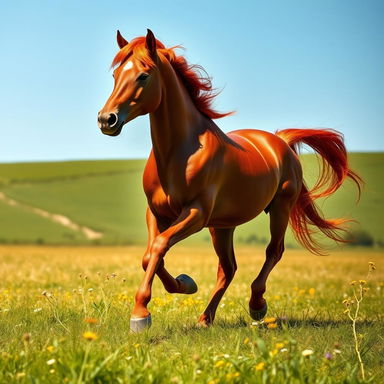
x: 280, y: 64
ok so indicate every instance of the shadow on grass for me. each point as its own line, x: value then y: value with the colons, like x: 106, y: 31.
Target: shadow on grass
x: 316, y: 323
x: 281, y: 324
x: 243, y: 323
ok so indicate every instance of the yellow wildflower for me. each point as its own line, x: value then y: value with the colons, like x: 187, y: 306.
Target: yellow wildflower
x: 246, y: 340
x: 50, y: 348
x: 260, y: 366
x: 137, y: 345
x: 272, y: 326
x: 353, y: 282
x: 362, y: 282
x: 90, y: 336
x: 232, y: 375
x: 273, y: 352
x: 219, y: 363
x: 312, y: 291
x: 279, y: 345
x: 268, y: 320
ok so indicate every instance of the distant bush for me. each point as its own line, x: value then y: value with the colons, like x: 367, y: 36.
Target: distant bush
x: 380, y: 243
x: 360, y: 238
x: 252, y: 239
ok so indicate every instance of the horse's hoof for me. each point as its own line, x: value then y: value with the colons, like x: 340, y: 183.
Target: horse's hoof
x: 203, y: 324
x: 188, y: 282
x: 140, y: 324
x: 258, y: 314
x: 204, y: 321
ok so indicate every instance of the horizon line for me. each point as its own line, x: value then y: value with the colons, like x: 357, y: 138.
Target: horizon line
x: 136, y: 158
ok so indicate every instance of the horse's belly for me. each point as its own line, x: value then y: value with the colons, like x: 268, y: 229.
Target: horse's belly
x: 250, y: 183
x: 241, y: 203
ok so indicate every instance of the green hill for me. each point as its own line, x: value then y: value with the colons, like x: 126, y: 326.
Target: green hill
x: 107, y: 197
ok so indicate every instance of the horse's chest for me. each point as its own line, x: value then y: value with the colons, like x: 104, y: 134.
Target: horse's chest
x: 167, y: 194
x: 162, y: 204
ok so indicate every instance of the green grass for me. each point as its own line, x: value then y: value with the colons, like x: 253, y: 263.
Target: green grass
x: 41, y: 335
x: 107, y: 196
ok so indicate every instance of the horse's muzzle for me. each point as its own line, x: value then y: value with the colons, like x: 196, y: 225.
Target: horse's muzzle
x: 109, y: 123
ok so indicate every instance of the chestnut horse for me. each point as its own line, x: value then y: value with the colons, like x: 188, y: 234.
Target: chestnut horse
x: 197, y: 176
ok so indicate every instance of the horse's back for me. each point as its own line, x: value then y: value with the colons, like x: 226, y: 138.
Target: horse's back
x: 270, y: 146
x: 277, y: 155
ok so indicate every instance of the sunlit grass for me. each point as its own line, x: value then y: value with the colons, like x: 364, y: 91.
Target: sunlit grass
x: 64, y: 317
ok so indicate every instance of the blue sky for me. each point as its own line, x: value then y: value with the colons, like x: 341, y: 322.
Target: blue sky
x: 279, y: 64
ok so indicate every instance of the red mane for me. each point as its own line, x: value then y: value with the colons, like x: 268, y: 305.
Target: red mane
x: 195, y: 79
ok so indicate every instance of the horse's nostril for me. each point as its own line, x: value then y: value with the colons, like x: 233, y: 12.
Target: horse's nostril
x: 112, y: 119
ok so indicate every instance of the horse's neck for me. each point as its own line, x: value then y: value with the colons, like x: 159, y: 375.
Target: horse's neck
x: 176, y: 123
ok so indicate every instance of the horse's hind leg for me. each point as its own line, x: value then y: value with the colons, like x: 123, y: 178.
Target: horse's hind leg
x: 279, y: 216
x: 223, y: 243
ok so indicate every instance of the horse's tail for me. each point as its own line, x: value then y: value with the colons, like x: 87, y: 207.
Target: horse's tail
x: 305, y: 215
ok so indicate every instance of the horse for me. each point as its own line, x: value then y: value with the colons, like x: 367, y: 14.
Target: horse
x: 197, y: 176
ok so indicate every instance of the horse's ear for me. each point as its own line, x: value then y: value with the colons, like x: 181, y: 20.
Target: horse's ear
x: 150, y: 44
x: 121, y: 42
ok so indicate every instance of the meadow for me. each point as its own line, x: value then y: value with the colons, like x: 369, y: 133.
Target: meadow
x: 64, y: 318
x: 66, y: 296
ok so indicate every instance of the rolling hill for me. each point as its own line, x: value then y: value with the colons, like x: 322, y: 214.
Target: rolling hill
x: 58, y: 202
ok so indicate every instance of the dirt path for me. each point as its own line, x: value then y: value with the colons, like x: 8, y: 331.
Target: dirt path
x: 56, y: 218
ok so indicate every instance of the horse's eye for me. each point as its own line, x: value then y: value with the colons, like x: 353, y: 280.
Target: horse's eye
x: 143, y: 76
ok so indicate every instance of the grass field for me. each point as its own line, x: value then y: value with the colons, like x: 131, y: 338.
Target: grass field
x: 64, y: 311
x: 107, y: 196
x: 51, y: 296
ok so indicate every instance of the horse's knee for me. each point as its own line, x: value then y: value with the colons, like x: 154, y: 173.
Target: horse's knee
x: 145, y: 261
x: 160, y: 246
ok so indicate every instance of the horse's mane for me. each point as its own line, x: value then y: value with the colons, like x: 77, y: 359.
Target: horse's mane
x: 195, y: 79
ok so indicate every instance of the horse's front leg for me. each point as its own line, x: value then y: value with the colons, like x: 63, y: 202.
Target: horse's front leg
x: 180, y: 284
x: 191, y: 220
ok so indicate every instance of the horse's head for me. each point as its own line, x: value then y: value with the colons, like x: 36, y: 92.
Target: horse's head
x: 137, y: 88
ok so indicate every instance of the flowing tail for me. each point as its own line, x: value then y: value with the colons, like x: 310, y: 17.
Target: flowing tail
x: 305, y: 215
